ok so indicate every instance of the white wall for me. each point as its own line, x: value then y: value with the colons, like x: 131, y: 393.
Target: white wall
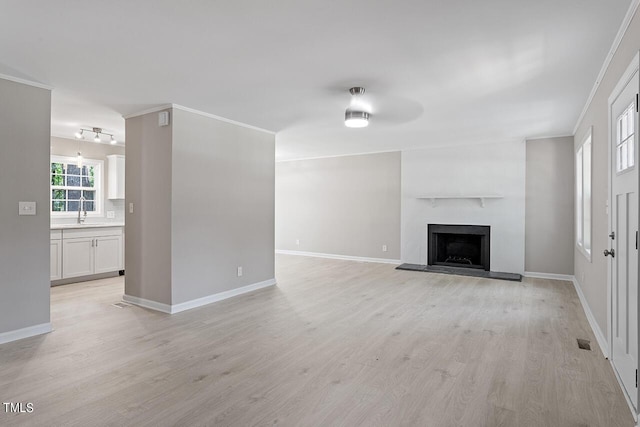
x: 473, y: 169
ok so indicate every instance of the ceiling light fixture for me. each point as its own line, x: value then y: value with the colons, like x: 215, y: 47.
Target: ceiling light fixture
x: 98, y: 132
x: 355, y: 117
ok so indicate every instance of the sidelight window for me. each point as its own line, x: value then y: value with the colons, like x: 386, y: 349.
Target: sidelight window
x: 583, y: 196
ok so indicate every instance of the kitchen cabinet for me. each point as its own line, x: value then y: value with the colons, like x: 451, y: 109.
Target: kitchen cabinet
x: 115, y: 174
x: 55, y: 255
x: 87, y: 251
x: 108, y: 254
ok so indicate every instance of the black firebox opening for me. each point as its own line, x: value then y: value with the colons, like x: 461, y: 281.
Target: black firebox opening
x: 464, y: 246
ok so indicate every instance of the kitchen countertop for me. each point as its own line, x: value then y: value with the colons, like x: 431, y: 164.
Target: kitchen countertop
x: 86, y: 225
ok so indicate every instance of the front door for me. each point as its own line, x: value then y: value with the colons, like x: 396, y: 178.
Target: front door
x: 624, y: 238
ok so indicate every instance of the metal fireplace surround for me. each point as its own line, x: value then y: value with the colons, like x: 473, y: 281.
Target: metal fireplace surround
x: 462, y: 246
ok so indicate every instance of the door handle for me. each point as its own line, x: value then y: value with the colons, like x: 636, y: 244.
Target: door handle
x: 610, y: 252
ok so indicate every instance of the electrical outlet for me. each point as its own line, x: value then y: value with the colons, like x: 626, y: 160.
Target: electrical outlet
x: 111, y: 214
x: 297, y: 242
x: 239, y: 271
x: 384, y: 248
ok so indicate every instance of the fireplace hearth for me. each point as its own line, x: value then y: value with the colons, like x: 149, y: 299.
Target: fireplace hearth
x: 461, y: 246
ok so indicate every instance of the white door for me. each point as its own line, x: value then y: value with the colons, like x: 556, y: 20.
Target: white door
x: 77, y: 257
x: 624, y: 241
x: 108, y: 254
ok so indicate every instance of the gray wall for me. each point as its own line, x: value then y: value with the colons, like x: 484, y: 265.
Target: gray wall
x: 549, y: 218
x: 347, y: 205
x: 25, y: 117
x: 203, y: 194
x: 91, y: 150
x: 592, y: 276
x: 148, y: 229
x: 222, y: 206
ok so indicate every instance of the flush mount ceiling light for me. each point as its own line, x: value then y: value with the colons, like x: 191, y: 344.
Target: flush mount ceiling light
x: 98, y: 132
x: 355, y: 116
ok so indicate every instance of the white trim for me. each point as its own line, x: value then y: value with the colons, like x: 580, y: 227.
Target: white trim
x: 600, y: 337
x: 550, y: 276
x: 147, y: 303
x: 222, y: 119
x: 536, y: 138
x: 25, y: 82
x: 624, y: 392
x: 198, y: 302
x: 201, y: 113
x: 99, y: 189
x: 330, y: 156
x: 30, y: 331
x: 342, y: 257
x: 177, y: 308
x: 616, y: 43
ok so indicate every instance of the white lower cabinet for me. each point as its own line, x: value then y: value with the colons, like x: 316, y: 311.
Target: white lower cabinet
x: 55, y: 255
x: 78, y: 257
x: 108, y: 254
x: 90, y: 251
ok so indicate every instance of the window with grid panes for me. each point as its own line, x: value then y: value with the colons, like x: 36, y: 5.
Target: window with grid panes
x: 70, y: 183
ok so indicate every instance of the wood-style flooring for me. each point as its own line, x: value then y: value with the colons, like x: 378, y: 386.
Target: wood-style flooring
x: 336, y: 343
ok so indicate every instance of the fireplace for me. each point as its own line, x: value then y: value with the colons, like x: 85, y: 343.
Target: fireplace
x: 465, y: 246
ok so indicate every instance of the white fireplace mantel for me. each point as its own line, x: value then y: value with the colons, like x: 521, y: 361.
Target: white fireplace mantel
x: 481, y: 198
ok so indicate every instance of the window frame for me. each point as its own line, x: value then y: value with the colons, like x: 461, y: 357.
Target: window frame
x: 98, y: 186
x: 584, y: 168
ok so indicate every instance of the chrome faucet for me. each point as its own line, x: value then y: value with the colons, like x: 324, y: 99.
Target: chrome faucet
x: 81, y: 220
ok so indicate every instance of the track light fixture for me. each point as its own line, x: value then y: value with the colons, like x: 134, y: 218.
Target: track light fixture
x: 98, y: 132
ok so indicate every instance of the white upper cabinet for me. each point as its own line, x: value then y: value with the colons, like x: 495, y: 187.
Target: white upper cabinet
x: 115, y: 172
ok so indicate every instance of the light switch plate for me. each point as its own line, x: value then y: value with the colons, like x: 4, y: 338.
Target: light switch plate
x: 26, y: 208
x: 163, y: 118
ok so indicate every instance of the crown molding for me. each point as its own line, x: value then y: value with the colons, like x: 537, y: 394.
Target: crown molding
x: 25, y: 82
x: 330, y: 156
x: 148, y: 111
x: 222, y: 119
x: 198, y: 112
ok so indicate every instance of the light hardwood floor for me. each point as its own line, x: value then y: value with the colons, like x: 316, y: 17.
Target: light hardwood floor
x: 336, y: 343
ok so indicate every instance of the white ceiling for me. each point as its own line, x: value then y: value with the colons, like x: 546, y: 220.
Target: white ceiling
x: 436, y: 72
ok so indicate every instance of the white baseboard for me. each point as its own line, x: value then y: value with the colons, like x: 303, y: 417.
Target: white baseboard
x: 600, y: 337
x: 177, y: 308
x: 550, y: 276
x: 342, y: 257
x: 188, y: 305
x: 30, y: 331
x: 147, y: 303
